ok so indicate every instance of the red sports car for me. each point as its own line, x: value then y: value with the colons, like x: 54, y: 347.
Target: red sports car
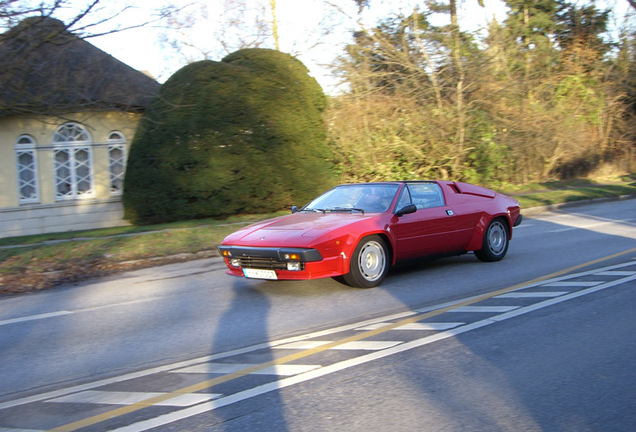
x: 356, y: 231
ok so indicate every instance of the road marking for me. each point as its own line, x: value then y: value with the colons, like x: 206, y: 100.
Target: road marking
x: 34, y: 317
x: 484, y: 309
x: 336, y: 367
x: 228, y: 368
x: 206, y: 406
x: 185, y: 363
x: 416, y: 326
x: 355, y: 345
x: 127, y: 398
x: 286, y: 382
x: 71, y: 312
x: 20, y: 430
x: 575, y: 284
x: 616, y: 273
x: 566, y: 297
x: 532, y: 294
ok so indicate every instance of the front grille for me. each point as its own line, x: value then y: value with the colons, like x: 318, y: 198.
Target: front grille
x: 264, y: 263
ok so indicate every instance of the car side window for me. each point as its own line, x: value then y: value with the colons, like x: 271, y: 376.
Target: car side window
x: 426, y: 195
x: 405, y: 199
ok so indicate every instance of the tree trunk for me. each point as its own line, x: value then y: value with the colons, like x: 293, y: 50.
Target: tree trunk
x: 272, y: 4
x: 459, y: 68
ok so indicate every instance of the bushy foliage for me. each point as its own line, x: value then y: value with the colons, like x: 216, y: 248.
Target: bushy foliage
x: 542, y: 97
x: 241, y: 135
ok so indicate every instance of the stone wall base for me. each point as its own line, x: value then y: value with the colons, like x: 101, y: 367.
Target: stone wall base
x: 61, y: 217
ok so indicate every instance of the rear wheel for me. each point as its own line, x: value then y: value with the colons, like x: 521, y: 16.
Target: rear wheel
x: 369, y: 263
x: 495, y: 242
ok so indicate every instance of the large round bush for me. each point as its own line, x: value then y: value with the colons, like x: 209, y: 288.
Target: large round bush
x: 244, y: 135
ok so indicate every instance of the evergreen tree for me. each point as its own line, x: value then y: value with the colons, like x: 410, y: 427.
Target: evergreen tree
x: 242, y: 135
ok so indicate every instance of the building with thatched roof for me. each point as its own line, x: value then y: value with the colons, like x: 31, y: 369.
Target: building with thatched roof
x: 68, y: 113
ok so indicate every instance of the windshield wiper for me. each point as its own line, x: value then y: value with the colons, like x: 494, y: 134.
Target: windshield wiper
x: 345, y: 209
x: 309, y: 209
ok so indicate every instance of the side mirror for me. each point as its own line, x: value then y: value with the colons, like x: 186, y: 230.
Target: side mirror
x: 294, y: 209
x: 411, y: 208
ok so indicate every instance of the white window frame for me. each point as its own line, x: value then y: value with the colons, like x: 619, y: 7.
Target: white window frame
x: 116, y: 141
x: 73, y: 176
x: 25, y: 145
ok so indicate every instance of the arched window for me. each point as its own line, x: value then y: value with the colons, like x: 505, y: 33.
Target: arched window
x: 71, y: 133
x: 116, y: 161
x: 26, y: 164
x: 72, y: 162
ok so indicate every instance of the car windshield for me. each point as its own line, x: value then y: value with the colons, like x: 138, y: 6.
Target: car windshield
x: 355, y: 198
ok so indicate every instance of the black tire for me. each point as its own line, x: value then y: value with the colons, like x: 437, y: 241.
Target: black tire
x: 495, y: 243
x: 369, y: 263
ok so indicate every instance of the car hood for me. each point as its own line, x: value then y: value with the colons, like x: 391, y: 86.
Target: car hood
x: 296, y: 230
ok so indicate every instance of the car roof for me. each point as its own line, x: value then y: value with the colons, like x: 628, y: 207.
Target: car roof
x: 388, y: 182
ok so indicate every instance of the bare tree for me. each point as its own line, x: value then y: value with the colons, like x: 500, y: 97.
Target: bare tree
x: 272, y: 4
x: 461, y: 76
x: 210, y: 30
x: 92, y: 18
x: 33, y: 78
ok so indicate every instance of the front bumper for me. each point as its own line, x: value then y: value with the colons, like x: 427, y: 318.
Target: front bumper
x: 259, y: 256
x: 306, y: 263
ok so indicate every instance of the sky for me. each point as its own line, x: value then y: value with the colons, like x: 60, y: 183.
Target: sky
x: 299, y: 24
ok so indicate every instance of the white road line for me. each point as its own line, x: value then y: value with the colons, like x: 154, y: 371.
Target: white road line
x: 484, y: 309
x: 129, y: 398
x: 415, y: 326
x: 228, y: 368
x: 556, y: 300
x: 67, y: 312
x: 549, y: 282
x: 577, y: 284
x: 615, y: 273
x: 537, y: 294
x: 357, y: 345
x: 20, y: 430
x: 34, y: 317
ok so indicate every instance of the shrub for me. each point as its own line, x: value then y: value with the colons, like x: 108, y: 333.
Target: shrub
x: 244, y: 135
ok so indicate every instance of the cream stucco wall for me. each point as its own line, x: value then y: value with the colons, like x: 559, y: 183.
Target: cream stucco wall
x: 49, y: 215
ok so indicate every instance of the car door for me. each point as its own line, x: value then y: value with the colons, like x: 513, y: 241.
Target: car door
x: 434, y: 228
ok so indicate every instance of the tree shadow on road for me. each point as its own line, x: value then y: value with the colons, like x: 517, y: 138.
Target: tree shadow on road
x: 248, y: 312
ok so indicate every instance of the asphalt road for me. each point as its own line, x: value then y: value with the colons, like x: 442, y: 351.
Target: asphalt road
x: 157, y: 332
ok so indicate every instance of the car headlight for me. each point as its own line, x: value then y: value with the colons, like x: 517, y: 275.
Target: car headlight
x: 293, y: 266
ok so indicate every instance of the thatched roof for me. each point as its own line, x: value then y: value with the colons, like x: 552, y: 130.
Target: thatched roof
x: 46, y: 69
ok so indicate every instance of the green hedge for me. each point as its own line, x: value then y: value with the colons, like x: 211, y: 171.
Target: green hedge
x: 242, y: 135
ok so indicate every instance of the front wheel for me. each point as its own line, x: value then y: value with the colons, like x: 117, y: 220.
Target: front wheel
x: 495, y: 242
x: 369, y: 263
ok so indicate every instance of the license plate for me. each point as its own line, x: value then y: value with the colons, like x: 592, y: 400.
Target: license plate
x: 260, y: 274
